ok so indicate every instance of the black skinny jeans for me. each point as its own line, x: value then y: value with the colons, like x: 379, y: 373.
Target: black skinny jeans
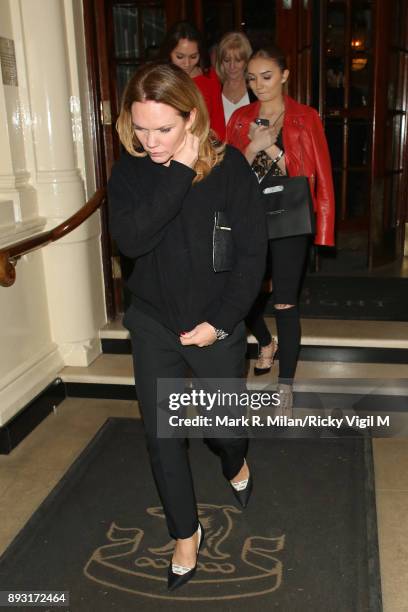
x: 158, y: 354
x: 286, y: 262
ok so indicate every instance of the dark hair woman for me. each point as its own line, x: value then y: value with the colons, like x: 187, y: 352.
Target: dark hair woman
x: 183, y: 46
x: 293, y: 143
x: 163, y: 195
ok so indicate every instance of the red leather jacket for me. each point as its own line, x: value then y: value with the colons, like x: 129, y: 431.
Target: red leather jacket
x: 306, y: 153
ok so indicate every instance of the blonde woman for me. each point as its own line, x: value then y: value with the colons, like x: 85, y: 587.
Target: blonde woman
x: 233, y: 53
x: 163, y: 195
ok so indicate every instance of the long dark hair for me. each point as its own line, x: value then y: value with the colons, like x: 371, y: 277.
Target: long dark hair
x: 184, y: 29
x: 272, y: 52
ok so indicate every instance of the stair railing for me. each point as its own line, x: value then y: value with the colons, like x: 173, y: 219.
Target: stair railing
x: 10, y: 254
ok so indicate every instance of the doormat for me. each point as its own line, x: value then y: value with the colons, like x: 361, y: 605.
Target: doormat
x: 306, y: 542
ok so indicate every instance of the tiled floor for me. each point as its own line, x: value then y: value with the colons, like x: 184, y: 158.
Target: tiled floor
x: 33, y: 468
x: 36, y: 465
x: 391, y: 479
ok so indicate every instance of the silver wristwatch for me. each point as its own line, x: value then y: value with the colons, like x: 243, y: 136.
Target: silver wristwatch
x: 220, y: 334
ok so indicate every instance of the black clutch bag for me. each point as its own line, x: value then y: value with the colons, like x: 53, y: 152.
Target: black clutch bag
x: 288, y: 206
x: 223, y: 245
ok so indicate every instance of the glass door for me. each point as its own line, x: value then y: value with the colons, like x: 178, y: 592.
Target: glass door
x: 347, y: 108
x: 363, y: 99
x: 138, y: 29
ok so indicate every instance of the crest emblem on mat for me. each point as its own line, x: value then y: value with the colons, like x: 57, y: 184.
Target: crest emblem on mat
x: 229, y: 566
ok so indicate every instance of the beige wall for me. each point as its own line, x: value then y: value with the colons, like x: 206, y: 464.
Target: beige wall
x: 52, y: 315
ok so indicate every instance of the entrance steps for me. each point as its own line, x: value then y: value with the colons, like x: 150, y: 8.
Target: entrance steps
x: 361, y: 352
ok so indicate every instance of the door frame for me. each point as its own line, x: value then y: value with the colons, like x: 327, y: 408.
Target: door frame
x: 102, y: 142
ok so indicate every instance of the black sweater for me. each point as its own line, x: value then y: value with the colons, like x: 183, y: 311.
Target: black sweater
x: 165, y: 223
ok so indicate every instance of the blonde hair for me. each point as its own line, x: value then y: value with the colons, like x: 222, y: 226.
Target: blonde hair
x: 169, y: 84
x: 233, y: 41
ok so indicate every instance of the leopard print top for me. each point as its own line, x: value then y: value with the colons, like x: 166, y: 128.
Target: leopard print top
x: 263, y: 164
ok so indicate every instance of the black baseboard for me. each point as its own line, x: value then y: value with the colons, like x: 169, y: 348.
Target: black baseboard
x: 31, y: 415
x: 354, y: 354
x: 116, y: 346
x: 347, y: 354
x: 101, y: 391
x: 13, y: 432
x: 344, y: 354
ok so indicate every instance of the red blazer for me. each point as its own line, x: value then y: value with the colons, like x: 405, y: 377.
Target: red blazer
x: 210, y: 87
x: 306, y: 153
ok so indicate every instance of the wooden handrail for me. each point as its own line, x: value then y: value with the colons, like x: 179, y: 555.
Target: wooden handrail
x: 9, y: 255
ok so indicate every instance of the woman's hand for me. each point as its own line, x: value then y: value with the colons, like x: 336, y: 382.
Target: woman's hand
x: 202, y: 335
x: 187, y: 153
x: 261, y: 137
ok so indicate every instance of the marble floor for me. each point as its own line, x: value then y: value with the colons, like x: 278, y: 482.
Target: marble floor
x: 36, y: 465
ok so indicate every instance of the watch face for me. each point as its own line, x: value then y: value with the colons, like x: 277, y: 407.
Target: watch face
x: 221, y: 334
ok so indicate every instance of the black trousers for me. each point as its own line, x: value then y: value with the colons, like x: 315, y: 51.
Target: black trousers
x: 158, y: 354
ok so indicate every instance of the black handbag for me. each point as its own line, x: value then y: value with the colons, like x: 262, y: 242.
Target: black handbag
x: 223, y: 245
x: 288, y: 206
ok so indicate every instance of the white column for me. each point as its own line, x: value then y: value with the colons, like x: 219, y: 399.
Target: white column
x: 8, y: 196
x: 72, y: 265
x: 18, y: 198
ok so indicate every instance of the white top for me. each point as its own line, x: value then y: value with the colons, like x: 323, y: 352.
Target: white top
x: 230, y: 107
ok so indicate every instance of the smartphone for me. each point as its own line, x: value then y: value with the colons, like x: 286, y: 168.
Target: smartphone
x: 264, y: 122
